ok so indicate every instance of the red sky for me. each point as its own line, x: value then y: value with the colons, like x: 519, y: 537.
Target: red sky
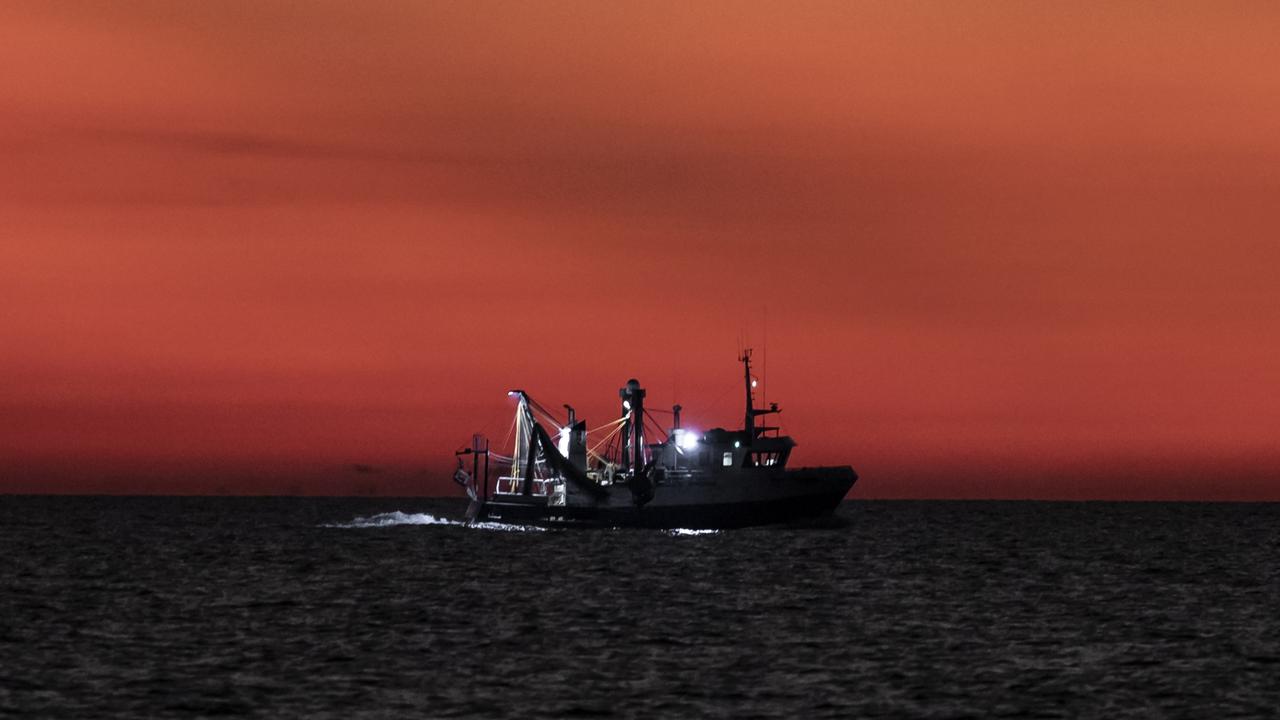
x: 1006, y: 249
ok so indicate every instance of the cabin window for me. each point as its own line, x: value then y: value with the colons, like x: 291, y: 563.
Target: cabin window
x: 765, y: 459
x: 728, y: 459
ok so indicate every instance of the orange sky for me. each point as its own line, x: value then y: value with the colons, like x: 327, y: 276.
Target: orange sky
x: 1006, y: 249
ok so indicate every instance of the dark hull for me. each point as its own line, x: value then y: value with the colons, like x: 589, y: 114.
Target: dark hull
x: 731, y: 500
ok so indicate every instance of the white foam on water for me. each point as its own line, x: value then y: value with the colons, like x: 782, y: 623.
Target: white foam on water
x: 504, y: 527
x: 395, y: 518
x: 392, y: 519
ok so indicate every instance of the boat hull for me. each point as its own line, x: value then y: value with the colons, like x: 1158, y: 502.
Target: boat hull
x: 730, y: 500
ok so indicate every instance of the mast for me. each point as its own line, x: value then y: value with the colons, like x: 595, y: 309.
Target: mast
x: 752, y: 413
x: 633, y: 402
x: 637, y: 436
x: 524, y: 425
x: 632, y: 433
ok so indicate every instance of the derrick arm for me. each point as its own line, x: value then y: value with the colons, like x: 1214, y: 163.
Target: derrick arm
x: 559, y: 463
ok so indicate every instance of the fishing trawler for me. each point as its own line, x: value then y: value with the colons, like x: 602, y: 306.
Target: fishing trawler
x: 699, y: 480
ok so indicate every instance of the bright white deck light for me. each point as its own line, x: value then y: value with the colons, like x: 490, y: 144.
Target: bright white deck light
x: 686, y: 439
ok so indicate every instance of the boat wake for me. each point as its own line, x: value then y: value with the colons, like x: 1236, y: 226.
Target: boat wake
x: 393, y: 519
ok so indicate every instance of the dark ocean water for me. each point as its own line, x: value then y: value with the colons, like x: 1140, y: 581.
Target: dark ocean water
x: 177, y: 607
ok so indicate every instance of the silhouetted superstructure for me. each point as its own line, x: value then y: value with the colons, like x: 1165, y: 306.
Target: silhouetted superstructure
x: 715, y: 479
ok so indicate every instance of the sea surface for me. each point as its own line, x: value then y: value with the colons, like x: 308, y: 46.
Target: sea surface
x: 115, y: 607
